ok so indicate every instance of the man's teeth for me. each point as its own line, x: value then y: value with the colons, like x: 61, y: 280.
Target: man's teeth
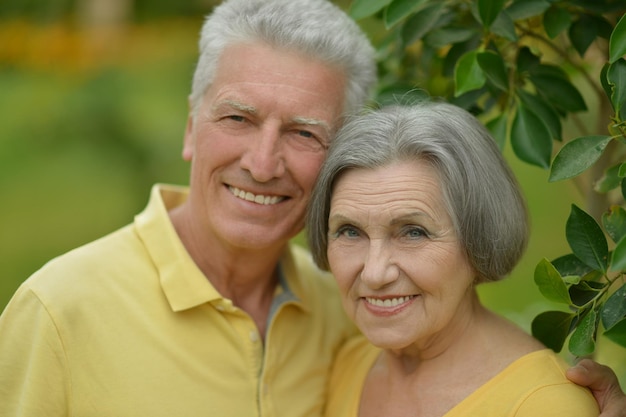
x: 389, y: 302
x: 259, y: 199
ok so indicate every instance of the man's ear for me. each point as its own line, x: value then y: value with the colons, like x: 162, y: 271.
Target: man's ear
x: 188, y: 142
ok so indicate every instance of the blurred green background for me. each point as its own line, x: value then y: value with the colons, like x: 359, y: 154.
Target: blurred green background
x: 93, y: 106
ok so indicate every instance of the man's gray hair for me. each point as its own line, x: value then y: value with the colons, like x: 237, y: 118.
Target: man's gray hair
x: 479, y: 189
x: 315, y: 28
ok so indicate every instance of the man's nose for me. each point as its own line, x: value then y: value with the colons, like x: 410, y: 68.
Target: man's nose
x: 264, y: 156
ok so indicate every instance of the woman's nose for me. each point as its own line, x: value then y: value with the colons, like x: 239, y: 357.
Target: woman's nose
x: 379, y: 269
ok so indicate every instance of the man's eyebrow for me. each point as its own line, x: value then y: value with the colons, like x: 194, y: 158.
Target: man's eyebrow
x: 235, y: 105
x: 312, y: 122
x: 301, y: 120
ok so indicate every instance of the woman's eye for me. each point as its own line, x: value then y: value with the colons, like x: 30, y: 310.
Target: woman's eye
x: 347, y: 231
x: 415, y: 232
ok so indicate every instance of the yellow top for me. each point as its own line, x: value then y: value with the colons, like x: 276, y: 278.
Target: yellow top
x: 534, y: 385
x: 129, y: 326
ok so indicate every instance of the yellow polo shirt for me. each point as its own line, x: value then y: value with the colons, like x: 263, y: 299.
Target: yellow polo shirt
x: 129, y: 326
x: 534, y: 385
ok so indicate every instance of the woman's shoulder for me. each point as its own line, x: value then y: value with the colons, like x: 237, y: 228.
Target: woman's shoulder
x: 542, y: 386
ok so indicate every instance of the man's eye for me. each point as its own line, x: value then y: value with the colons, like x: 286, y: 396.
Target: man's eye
x: 307, y: 140
x: 236, y: 118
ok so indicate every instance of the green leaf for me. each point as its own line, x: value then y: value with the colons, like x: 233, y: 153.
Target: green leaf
x: 583, y: 340
x: 455, y: 53
x: 552, y: 328
x: 399, y: 10
x: 545, y: 112
x: 488, y: 10
x: 400, y: 94
x: 604, y: 80
x: 617, y: 333
x: 618, y: 259
x: 469, y: 99
x: 493, y: 67
x: 468, y: 75
x: 560, y: 92
x: 364, y: 8
x: 530, y: 138
x: 556, y: 20
x: 576, y: 156
x: 617, y: 43
x: 622, y: 170
x: 584, y: 291
x: 616, y: 78
x: 586, y: 239
x: 570, y: 265
x: 421, y: 23
x: 571, y: 280
x: 609, y: 181
x: 605, y: 28
x: 614, y: 222
x: 527, y: 8
x: 582, y: 33
x: 504, y: 26
x: 614, y: 309
x: 450, y: 35
x: 526, y: 60
x: 545, y: 70
x: 550, y: 283
x: 497, y: 127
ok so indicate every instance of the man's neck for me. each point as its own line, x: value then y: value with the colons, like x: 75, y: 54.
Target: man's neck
x: 247, y: 277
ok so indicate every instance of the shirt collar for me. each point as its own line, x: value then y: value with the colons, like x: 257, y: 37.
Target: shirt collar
x: 183, y: 284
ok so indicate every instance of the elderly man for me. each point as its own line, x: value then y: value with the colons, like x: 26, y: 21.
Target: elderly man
x: 201, y: 306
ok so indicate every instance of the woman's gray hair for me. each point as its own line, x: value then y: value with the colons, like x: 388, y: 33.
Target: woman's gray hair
x: 315, y: 28
x: 479, y: 189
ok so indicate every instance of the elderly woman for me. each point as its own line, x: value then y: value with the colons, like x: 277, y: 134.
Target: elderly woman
x: 413, y: 208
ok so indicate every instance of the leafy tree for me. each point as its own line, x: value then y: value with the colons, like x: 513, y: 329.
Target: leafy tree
x: 512, y: 64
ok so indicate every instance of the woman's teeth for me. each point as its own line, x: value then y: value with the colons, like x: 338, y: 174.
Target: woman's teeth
x: 389, y: 302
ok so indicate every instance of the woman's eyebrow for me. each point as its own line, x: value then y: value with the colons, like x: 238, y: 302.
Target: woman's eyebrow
x: 415, y: 215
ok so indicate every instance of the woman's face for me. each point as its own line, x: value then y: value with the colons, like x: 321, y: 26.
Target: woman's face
x: 403, y: 275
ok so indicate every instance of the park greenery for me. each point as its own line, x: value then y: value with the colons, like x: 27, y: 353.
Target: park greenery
x: 524, y: 67
x: 92, y: 113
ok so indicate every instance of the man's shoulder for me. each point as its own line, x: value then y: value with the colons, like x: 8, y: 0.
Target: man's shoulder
x: 310, y: 274
x: 318, y: 287
x: 89, y: 266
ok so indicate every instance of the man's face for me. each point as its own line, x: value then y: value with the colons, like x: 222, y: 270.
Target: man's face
x: 257, y: 143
